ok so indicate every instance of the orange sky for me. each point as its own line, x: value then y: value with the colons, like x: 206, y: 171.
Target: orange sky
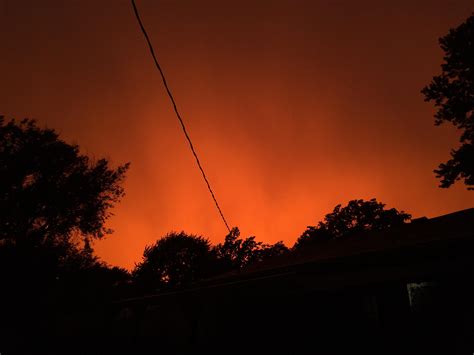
x: 294, y: 106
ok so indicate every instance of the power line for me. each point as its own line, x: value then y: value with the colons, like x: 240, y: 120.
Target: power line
x: 137, y: 15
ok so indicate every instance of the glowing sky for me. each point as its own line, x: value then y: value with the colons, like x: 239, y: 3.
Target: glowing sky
x: 294, y: 106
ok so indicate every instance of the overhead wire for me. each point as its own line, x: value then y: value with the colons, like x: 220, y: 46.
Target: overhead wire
x: 150, y: 46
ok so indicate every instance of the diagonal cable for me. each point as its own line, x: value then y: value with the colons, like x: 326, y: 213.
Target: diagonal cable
x: 150, y: 46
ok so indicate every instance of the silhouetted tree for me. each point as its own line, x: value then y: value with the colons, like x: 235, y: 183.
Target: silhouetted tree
x: 357, y: 216
x: 53, y: 203
x: 453, y: 94
x: 176, y: 260
x: 48, y: 191
x: 236, y: 253
x: 268, y: 251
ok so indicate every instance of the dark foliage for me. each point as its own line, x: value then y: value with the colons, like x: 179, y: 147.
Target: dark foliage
x: 48, y: 191
x: 268, y: 251
x: 179, y: 259
x: 236, y: 253
x: 53, y: 203
x: 356, y: 217
x: 453, y: 95
x: 176, y: 260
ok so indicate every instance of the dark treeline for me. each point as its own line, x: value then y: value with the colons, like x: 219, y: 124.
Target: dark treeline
x: 179, y: 259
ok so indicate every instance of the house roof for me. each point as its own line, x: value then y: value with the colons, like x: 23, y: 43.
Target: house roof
x: 424, y: 246
x: 413, y: 239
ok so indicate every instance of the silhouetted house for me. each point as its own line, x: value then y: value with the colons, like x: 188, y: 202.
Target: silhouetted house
x: 407, y: 288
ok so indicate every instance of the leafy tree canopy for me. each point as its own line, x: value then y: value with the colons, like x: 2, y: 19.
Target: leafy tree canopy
x: 49, y: 192
x: 453, y: 95
x: 236, y: 253
x: 179, y: 259
x: 356, y: 217
x: 53, y: 203
x: 176, y: 260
